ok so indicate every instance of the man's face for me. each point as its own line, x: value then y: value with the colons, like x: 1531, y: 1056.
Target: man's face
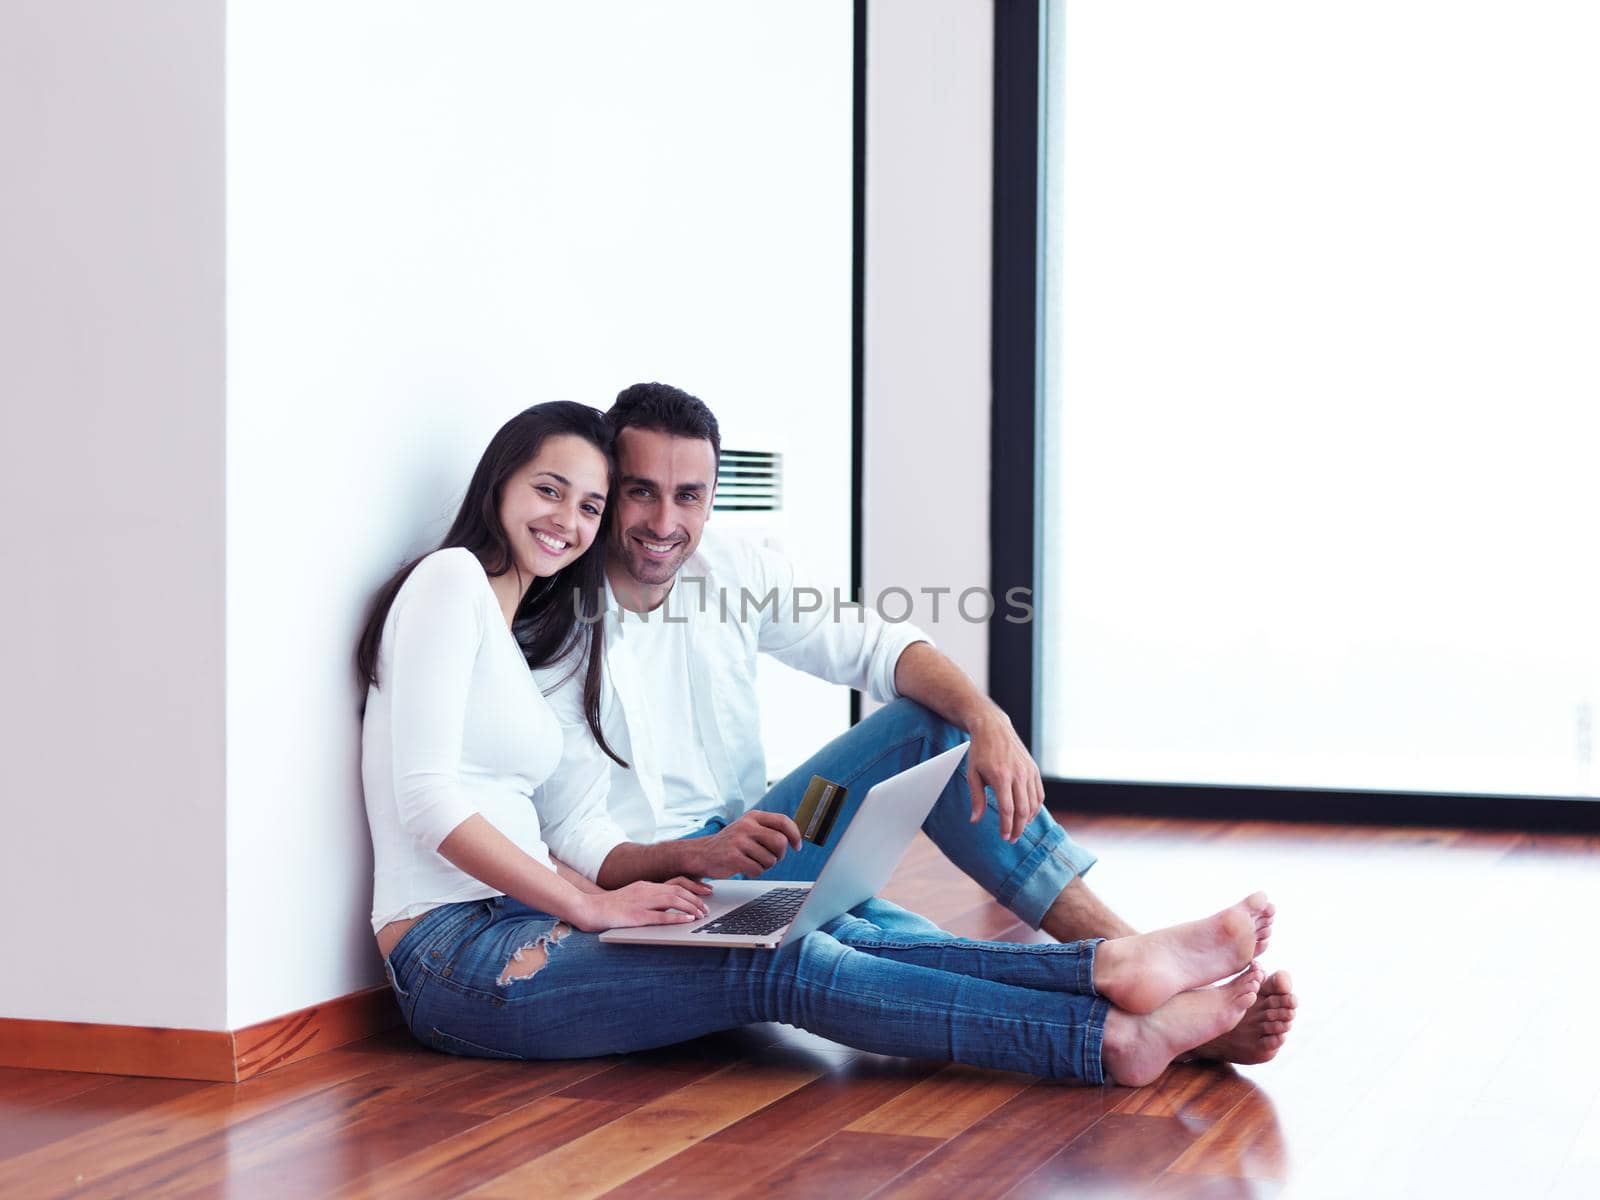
x: 663, y: 498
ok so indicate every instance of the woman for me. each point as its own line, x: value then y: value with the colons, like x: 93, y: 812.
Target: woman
x: 488, y: 938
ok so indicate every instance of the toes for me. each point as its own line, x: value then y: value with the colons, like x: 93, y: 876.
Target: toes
x: 1258, y: 903
x: 1279, y: 981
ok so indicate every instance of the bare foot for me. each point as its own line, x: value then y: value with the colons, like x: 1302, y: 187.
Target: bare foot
x: 1263, y: 924
x: 1141, y: 973
x: 1260, y: 1035
x: 1137, y: 1050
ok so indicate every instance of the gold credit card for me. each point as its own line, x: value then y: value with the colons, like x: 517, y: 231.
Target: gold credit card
x: 819, y: 809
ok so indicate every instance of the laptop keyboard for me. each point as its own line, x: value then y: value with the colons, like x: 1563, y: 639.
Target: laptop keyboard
x: 765, y: 914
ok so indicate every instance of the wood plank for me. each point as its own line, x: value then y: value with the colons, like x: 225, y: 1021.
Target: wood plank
x: 848, y: 1165
x: 704, y: 1169
x: 282, y: 1135
x: 999, y: 1151
x: 944, y: 1104
x: 502, y: 1087
x: 68, y: 1164
x: 24, y: 1086
x: 1200, y: 1092
x: 1120, y: 1155
x: 629, y: 1146
x: 351, y: 1119
x: 1246, y: 1143
x: 323, y: 1160
x: 488, y: 1150
x: 26, y: 1125
x: 639, y: 1080
x: 815, y: 1112
x: 766, y: 1142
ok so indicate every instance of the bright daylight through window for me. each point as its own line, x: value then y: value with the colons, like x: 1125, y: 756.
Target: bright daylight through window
x: 1322, y: 395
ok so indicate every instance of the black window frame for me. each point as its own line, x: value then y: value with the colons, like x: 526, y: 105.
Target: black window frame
x: 1021, y: 48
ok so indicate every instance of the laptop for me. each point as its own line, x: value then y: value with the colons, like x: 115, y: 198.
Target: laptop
x: 764, y: 916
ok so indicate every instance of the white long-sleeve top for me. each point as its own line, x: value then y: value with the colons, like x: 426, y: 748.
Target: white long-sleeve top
x: 456, y: 726
x: 591, y: 805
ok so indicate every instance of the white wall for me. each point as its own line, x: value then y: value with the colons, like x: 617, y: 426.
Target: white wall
x: 930, y: 105
x: 429, y: 224
x: 111, y: 613
x: 435, y: 221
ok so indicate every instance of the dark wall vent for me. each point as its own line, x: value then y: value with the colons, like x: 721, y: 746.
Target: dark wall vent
x: 749, y: 481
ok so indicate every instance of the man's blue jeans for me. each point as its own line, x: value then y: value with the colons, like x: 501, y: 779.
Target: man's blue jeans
x: 1005, y: 1005
x: 1025, y: 875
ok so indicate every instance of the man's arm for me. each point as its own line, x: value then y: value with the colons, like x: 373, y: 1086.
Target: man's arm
x: 633, y: 860
x: 886, y: 660
x: 578, y: 827
x: 997, y: 757
x: 749, y: 846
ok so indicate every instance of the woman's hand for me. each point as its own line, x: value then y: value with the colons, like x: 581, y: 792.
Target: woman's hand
x: 672, y: 903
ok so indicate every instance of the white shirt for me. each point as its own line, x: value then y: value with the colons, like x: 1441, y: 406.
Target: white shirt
x: 658, y: 642
x: 456, y: 726
x: 597, y: 805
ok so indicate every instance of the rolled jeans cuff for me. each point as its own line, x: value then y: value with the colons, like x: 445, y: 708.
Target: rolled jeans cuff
x: 1092, y: 1069
x: 1055, y: 861
x: 1085, y: 965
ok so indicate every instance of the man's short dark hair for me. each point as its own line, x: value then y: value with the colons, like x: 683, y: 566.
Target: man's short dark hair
x: 664, y: 409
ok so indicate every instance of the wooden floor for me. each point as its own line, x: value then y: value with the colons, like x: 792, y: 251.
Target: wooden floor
x: 1448, y: 1045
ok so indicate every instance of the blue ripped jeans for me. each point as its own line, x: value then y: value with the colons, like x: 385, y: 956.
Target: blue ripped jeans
x: 1025, y: 875
x: 930, y: 995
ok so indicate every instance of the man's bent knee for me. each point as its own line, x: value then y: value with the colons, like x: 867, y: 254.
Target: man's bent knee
x: 910, y: 713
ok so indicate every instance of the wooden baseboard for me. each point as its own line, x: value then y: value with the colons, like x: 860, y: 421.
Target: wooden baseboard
x: 286, y: 1039
x: 228, y: 1057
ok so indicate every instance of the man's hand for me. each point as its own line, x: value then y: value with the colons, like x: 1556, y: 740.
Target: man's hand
x: 749, y: 846
x: 997, y: 758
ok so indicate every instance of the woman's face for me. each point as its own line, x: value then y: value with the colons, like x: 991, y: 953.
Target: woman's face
x: 550, y: 509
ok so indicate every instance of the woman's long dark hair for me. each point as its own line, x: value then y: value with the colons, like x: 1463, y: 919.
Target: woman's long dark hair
x: 546, y: 623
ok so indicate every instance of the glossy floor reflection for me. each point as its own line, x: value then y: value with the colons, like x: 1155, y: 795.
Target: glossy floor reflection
x: 1445, y: 1046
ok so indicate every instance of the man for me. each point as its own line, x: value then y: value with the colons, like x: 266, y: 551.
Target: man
x: 687, y: 613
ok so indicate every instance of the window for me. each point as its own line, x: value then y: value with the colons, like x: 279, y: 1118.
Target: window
x: 1318, y: 396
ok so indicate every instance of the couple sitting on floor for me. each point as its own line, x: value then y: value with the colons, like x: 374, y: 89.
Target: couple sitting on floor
x: 517, y: 813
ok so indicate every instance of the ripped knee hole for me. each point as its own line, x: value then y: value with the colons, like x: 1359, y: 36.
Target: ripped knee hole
x: 527, y: 961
